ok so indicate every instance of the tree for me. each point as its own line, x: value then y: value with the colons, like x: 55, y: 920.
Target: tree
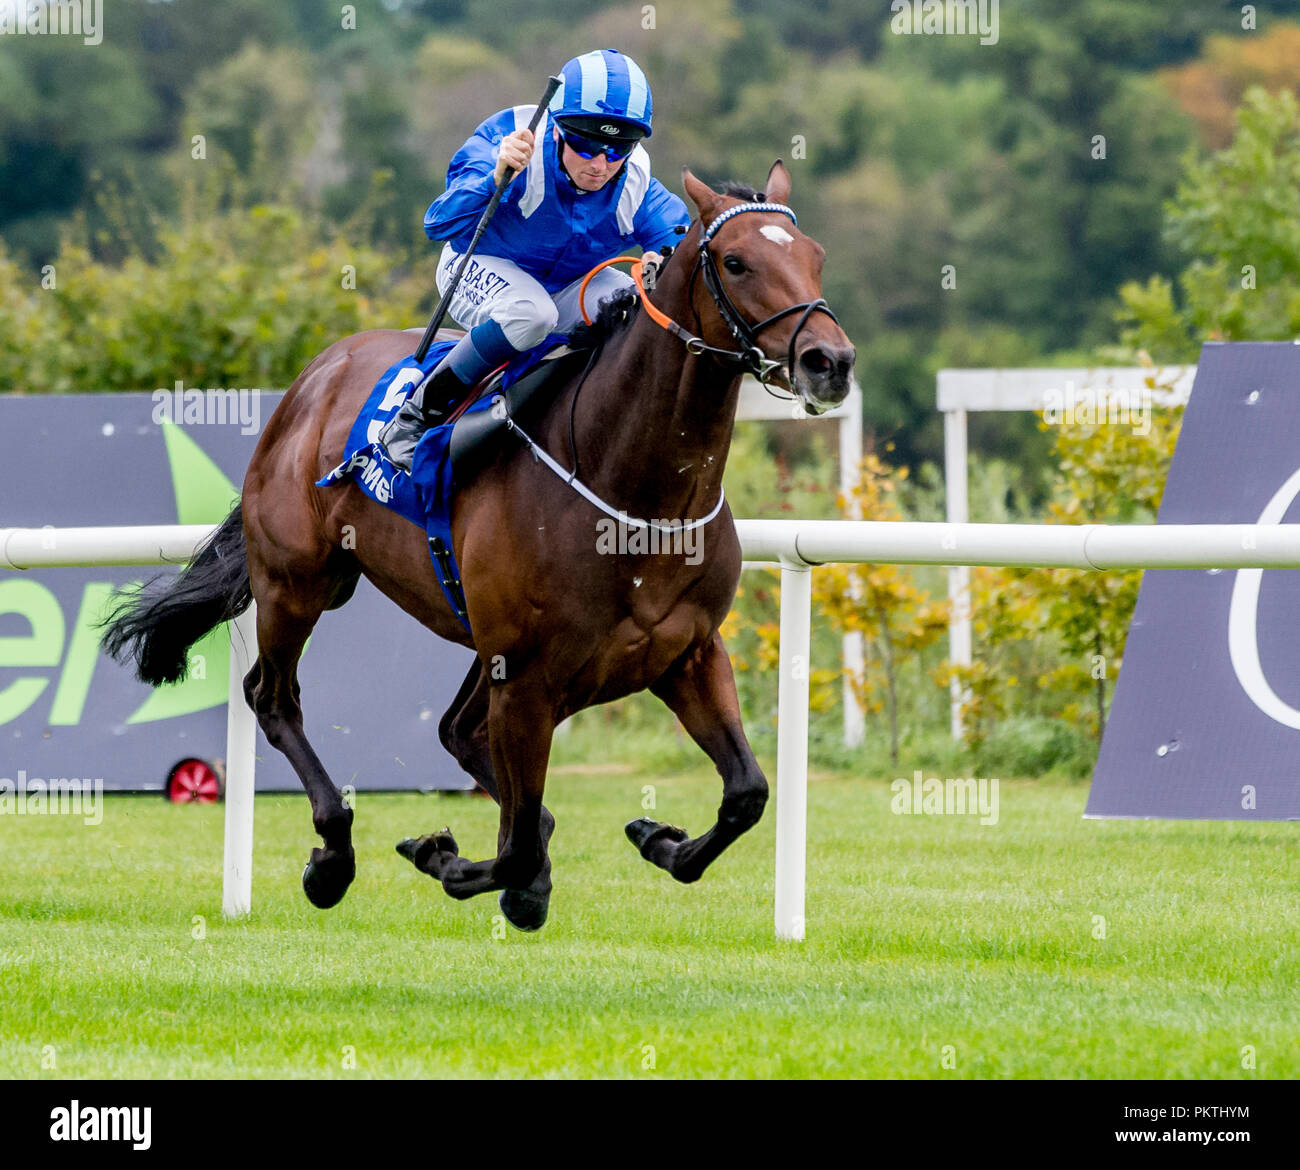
x: 1237, y: 214
x: 1212, y: 87
x: 882, y: 602
x: 50, y: 146
x: 260, y: 107
x: 239, y: 295
x: 1109, y: 472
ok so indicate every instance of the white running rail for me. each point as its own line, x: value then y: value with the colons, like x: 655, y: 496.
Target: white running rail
x: 797, y: 546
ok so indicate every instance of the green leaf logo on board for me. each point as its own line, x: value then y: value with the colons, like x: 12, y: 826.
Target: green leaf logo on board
x: 203, y: 496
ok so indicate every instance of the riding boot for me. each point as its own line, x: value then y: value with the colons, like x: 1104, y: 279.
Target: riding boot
x: 429, y: 405
x: 478, y: 353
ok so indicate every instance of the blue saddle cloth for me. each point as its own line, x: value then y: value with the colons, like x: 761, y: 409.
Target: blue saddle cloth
x: 425, y: 496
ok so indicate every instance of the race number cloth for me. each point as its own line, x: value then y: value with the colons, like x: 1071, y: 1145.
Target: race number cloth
x: 425, y: 496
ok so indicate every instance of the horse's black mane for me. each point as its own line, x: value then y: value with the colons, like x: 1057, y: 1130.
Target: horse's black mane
x: 612, y: 316
x: 617, y: 311
x: 743, y: 191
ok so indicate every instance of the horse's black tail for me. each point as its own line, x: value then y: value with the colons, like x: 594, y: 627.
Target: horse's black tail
x: 158, y: 622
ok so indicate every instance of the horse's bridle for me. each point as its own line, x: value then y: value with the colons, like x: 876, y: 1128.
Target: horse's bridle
x: 751, y: 357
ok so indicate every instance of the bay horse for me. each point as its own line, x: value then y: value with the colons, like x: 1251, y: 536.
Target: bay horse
x: 558, y: 625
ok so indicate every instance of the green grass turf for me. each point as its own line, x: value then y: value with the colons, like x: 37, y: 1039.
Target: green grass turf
x: 923, y: 932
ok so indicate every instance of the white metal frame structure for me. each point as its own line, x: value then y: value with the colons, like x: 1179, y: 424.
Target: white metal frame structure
x: 797, y: 545
x: 962, y: 391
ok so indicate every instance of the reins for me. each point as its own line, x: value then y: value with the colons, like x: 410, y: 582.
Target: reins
x: 571, y: 478
x: 751, y: 357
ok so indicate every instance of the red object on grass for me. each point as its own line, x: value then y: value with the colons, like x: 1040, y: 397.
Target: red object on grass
x: 193, y: 781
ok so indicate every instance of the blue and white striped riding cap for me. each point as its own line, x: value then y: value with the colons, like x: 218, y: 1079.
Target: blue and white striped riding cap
x: 604, y: 83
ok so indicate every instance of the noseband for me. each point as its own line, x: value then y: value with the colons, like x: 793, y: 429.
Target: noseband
x: 750, y: 357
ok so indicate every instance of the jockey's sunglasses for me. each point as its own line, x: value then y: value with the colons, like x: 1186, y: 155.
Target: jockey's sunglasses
x: 590, y: 147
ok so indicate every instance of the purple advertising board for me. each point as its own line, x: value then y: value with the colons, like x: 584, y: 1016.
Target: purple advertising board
x: 1205, y: 721
x: 374, y: 681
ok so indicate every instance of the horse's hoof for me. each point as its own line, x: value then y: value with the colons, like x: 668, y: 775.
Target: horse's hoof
x: 524, y: 910
x: 421, y: 851
x: 327, y: 875
x: 643, y: 831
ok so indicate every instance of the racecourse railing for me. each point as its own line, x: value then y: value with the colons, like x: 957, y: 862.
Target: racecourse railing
x: 795, y: 546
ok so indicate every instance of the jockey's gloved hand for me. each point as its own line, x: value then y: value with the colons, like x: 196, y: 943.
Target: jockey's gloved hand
x: 650, y: 262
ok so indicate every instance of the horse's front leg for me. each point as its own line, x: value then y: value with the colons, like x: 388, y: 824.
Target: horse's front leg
x: 285, y: 618
x: 521, y: 723
x: 701, y: 691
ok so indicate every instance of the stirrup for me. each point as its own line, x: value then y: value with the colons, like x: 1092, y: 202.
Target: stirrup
x: 402, y: 434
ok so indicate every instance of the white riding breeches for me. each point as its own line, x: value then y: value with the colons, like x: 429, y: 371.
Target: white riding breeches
x: 494, y: 288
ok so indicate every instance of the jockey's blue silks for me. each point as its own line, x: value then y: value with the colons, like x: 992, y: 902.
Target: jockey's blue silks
x: 545, y: 225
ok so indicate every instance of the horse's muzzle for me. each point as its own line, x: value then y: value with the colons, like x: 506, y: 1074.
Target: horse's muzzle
x: 823, y: 374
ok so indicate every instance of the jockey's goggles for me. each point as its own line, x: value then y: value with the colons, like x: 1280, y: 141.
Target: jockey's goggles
x: 586, y: 147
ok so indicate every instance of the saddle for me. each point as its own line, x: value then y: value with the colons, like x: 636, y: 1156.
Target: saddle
x: 476, y: 434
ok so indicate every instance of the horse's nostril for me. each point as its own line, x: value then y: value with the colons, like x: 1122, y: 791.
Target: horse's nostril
x: 815, y: 361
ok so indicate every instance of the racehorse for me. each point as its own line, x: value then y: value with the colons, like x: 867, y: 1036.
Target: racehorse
x: 558, y: 625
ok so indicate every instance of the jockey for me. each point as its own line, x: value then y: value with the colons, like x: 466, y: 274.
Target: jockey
x: 581, y: 194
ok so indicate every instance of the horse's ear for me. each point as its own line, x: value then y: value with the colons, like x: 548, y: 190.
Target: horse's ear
x: 702, y: 195
x: 778, y: 184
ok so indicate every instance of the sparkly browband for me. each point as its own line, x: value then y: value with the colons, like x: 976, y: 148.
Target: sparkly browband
x: 743, y: 207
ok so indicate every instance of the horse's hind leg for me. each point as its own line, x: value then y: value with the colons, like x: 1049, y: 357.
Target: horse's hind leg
x: 464, y: 733
x: 701, y: 691
x: 520, y: 725
x: 285, y: 618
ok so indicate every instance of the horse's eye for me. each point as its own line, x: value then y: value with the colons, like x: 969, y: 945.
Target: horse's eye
x: 733, y: 264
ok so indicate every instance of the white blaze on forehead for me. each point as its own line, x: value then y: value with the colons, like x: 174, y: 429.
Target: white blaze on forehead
x: 778, y: 235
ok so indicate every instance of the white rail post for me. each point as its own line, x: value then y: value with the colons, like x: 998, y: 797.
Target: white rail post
x: 241, y: 746
x: 853, y: 644
x: 792, y: 748
x: 958, y: 512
